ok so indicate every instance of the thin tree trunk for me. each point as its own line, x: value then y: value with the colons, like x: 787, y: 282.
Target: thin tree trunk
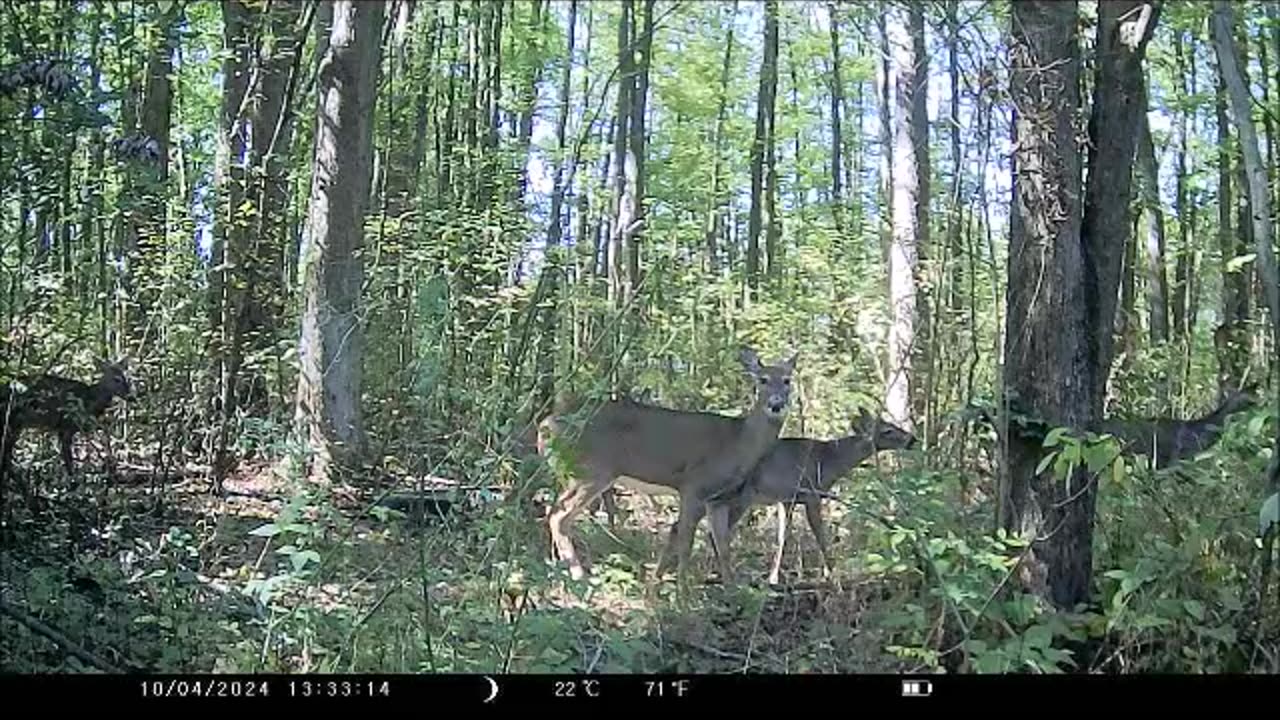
x: 1231, y: 349
x: 1223, y: 22
x: 1124, y: 28
x: 1157, y: 282
x: 555, y: 228
x: 837, y: 136
x: 765, y: 96
x: 1183, y: 254
x: 624, y: 161
x: 715, y: 215
x: 643, y: 48
x: 528, y: 99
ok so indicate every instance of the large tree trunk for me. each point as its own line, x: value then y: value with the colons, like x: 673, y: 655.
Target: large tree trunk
x: 910, y: 207
x: 1052, y: 367
x: 331, y: 347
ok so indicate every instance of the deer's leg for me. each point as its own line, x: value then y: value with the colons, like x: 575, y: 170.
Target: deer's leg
x: 610, y: 507
x: 784, y: 516
x: 64, y: 445
x: 720, y: 531
x: 813, y: 512
x: 567, y: 506
x: 680, y: 540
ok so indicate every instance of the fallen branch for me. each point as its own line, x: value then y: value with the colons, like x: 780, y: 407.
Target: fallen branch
x: 58, y: 638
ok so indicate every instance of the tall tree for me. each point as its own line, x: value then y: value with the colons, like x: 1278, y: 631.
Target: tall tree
x: 761, y: 143
x: 1059, y: 338
x: 331, y: 347
x: 910, y: 207
x: 837, y: 131
x: 1157, y: 277
x: 1223, y: 24
x: 716, y: 213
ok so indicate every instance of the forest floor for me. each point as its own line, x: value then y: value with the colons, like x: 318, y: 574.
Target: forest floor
x: 275, y: 577
x: 127, y: 575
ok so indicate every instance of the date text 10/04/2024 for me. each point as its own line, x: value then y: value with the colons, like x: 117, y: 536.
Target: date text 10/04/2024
x: 300, y: 688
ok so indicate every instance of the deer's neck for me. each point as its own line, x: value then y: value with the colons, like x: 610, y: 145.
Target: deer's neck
x: 837, y: 457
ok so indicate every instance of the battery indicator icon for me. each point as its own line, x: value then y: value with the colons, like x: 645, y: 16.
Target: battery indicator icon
x: 917, y: 688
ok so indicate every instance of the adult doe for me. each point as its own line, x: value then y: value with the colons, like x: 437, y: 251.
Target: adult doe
x: 59, y: 405
x: 796, y: 468
x: 699, y: 455
x: 1166, y: 441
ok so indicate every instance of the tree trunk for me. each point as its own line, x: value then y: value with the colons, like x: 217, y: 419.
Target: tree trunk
x: 1183, y: 254
x: 837, y: 136
x: 957, y: 161
x: 555, y: 229
x: 886, y: 137
x: 1157, y: 281
x: 637, y: 177
x: 529, y: 97
x: 715, y: 215
x: 624, y: 161
x: 1053, y: 369
x: 909, y: 208
x: 1047, y: 359
x: 1124, y: 28
x: 331, y: 346
x: 763, y: 137
x: 1231, y: 347
x: 1223, y: 22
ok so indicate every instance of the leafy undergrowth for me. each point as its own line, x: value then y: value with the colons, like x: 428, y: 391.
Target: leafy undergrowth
x: 285, y: 581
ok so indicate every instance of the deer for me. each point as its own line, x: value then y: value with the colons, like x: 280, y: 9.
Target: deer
x: 60, y: 405
x: 803, y: 470
x: 1165, y: 441
x: 700, y: 456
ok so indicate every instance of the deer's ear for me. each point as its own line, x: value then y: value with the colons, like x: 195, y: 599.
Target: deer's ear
x: 790, y: 362
x: 749, y: 359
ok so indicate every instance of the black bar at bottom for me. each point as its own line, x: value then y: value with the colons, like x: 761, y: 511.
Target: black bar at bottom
x: 718, y: 691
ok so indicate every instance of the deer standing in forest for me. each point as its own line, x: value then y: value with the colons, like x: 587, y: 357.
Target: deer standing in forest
x: 1165, y: 441
x: 700, y: 455
x: 59, y: 405
x: 801, y: 470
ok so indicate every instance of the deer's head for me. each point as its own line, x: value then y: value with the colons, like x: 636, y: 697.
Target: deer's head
x: 772, y: 382
x: 114, y: 380
x: 883, y: 434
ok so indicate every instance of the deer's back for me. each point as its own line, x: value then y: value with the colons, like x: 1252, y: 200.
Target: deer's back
x: 52, y: 403
x: 792, y: 464
x: 651, y: 444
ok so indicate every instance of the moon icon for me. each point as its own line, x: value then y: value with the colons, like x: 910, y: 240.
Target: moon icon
x: 493, y: 689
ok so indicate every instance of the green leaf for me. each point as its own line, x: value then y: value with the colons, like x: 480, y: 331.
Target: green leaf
x: 1269, y: 514
x: 1194, y: 608
x: 300, y: 560
x: 1054, y: 438
x: 1046, y: 461
x: 1038, y: 636
x: 268, y: 530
